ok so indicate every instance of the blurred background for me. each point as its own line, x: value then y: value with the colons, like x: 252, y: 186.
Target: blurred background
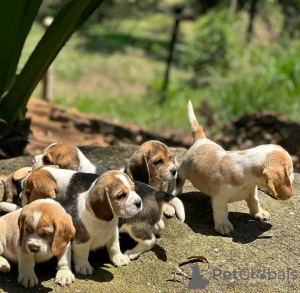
x: 140, y: 61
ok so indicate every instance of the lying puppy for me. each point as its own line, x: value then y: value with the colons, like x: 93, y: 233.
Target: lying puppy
x: 61, y: 184
x: 67, y: 156
x: 233, y: 176
x: 95, y: 215
x: 35, y: 234
x: 152, y: 164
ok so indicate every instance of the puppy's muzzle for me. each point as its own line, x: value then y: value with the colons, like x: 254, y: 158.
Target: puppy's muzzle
x: 34, y: 248
x: 173, y: 171
x: 138, y: 204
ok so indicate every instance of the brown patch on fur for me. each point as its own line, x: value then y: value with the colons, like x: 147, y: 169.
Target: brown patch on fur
x: 54, y: 221
x: 40, y: 184
x: 62, y: 154
x: 241, y: 153
x: 231, y: 175
x: 277, y: 168
x: 257, y: 170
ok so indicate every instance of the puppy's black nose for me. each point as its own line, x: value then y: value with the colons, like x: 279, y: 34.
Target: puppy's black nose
x: 173, y: 171
x: 138, y: 204
x: 34, y: 248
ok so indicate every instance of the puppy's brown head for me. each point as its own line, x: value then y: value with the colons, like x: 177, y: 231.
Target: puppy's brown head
x: 278, y: 172
x: 111, y: 195
x: 39, y: 184
x: 152, y: 164
x: 64, y: 155
x: 13, y: 184
x: 45, y: 227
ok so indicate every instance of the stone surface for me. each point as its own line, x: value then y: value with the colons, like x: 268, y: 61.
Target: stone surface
x: 253, y: 245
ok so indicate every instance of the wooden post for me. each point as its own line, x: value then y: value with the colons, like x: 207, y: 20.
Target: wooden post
x: 233, y: 6
x: 47, y: 87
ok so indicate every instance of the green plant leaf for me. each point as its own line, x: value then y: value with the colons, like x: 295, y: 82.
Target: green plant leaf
x: 70, y: 17
x: 16, y: 19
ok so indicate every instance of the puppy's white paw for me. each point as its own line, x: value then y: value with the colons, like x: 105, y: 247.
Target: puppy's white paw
x: 120, y: 259
x: 262, y: 215
x: 169, y: 211
x: 4, y: 265
x: 85, y: 269
x: 224, y: 227
x: 64, y: 277
x: 132, y: 255
x: 27, y: 279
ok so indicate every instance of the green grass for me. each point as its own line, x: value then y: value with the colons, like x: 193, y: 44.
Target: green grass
x: 116, y: 68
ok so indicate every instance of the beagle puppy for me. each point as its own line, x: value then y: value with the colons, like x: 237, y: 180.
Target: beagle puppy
x: 229, y: 176
x: 35, y: 234
x: 61, y: 184
x: 13, y: 184
x: 67, y: 156
x: 152, y: 164
x: 95, y: 215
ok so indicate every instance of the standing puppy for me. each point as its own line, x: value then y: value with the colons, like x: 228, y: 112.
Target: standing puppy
x: 95, y: 215
x: 35, y: 234
x: 233, y: 176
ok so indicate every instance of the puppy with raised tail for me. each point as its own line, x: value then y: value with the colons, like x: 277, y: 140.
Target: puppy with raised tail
x: 35, y: 234
x: 95, y: 215
x: 232, y: 176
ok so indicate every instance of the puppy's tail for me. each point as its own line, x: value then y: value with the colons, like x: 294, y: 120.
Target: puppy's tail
x: 174, y: 202
x: 195, y: 127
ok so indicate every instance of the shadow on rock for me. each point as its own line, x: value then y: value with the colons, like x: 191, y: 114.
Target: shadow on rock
x: 199, y: 217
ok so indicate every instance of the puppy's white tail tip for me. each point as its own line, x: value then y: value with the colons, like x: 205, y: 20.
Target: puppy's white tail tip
x: 177, y: 204
x: 8, y: 207
x: 195, y: 127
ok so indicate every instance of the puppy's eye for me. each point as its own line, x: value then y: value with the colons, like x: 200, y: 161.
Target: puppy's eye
x: 158, y: 162
x: 27, y: 193
x: 46, y: 160
x: 46, y: 235
x: 121, y: 196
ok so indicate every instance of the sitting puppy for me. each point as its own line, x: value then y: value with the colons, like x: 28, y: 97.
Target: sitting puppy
x: 67, y: 156
x: 233, y: 176
x: 35, y: 234
x: 152, y: 164
x: 95, y: 215
x: 61, y: 184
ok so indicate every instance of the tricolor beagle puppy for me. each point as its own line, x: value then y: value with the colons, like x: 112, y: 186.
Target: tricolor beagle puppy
x: 61, y: 184
x: 67, y: 156
x: 233, y: 176
x: 35, y: 234
x: 152, y: 164
x: 95, y: 215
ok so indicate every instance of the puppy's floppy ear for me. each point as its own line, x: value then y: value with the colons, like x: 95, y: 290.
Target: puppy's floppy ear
x: 278, y: 181
x: 21, y: 173
x: 64, y: 231
x: 137, y: 168
x: 21, y: 220
x: 98, y: 203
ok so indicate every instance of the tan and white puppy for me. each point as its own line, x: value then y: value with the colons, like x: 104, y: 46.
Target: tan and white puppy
x: 67, y: 156
x: 95, y: 216
x: 233, y: 176
x: 33, y: 234
x: 152, y: 164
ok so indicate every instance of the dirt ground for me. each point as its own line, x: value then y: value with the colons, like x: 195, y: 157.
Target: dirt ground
x: 253, y: 246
